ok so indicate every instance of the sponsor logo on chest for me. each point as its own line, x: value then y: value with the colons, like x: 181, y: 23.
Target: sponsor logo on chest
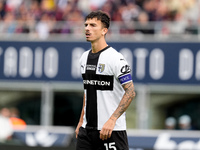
x: 91, y: 67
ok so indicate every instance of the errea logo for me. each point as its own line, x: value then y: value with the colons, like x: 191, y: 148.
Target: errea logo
x: 125, y: 69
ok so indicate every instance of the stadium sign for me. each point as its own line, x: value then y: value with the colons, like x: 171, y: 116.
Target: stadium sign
x: 166, y: 63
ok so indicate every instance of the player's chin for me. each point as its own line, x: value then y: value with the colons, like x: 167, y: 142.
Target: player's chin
x: 89, y: 40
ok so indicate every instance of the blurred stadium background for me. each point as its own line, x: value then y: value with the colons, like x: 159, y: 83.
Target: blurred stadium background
x: 42, y: 40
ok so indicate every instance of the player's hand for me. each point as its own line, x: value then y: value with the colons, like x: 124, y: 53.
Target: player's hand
x: 107, y: 129
x: 77, y: 129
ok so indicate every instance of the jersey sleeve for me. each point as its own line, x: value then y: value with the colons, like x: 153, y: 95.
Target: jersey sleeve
x: 122, y: 69
x: 82, y: 61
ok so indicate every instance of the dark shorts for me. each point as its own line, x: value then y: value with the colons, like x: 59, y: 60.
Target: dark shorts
x: 89, y: 139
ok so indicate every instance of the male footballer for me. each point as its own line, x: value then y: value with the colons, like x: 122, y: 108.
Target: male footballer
x: 108, y: 90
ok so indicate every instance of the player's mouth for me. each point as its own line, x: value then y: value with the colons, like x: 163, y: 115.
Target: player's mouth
x: 87, y: 34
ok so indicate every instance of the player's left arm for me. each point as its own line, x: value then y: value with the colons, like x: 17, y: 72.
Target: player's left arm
x: 122, y: 107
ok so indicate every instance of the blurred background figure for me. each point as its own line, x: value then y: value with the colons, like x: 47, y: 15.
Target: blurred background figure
x: 15, y: 119
x: 170, y: 123
x: 184, y: 122
x: 6, y: 129
x: 43, y: 26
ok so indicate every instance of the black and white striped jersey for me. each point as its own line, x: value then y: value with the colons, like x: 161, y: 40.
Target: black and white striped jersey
x: 103, y: 75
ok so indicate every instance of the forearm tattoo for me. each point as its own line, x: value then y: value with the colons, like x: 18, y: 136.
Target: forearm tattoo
x: 126, y: 99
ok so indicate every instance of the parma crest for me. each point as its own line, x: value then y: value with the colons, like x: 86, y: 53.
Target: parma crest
x: 101, y: 68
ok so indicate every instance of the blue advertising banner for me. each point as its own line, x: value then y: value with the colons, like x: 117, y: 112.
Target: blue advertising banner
x: 163, y: 63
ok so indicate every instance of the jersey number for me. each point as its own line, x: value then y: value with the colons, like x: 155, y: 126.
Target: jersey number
x: 110, y: 146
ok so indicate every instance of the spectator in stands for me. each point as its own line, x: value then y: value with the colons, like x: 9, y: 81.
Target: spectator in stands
x: 131, y: 12
x: 48, y: 5
x: 2, y: 9
x: 150, y: 6
x: 6, y: 129
x: 12, y: 5
x: 61, y: 4
x: 43, y: 27
x: 139, y: 2
x: 184, y: 122
x: 35, y: 10
x: 84, y: 5
x: 170, y: 123
x: 9, y: 25
x: 109, y: 8
x: 23, y: 18
x: 17, y: 122
x: 95, y: 5
x: 73, y: 23
x: 161, y: 13
x: 142, y: 25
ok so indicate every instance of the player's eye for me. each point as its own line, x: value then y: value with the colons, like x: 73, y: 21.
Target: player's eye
x: 93, y: 25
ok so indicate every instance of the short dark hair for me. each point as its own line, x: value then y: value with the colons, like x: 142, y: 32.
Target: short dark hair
x: 100, y: 15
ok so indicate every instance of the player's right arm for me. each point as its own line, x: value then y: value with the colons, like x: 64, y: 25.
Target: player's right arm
x: 81, y: 118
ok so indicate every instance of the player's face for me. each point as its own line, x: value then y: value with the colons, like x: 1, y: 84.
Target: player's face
x: 94, y: 30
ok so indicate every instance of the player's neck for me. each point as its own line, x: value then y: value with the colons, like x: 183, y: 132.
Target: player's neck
x: 98, y: 46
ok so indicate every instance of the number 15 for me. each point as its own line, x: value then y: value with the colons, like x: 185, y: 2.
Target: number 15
x: 110, y: 146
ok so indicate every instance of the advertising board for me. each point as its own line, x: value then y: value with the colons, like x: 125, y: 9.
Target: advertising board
x: 163, y: 63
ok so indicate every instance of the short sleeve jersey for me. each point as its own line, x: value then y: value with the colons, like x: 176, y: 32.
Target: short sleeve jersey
x: 103, y: 75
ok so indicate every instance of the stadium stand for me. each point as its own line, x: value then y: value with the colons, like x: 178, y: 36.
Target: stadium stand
x: 42, y: 18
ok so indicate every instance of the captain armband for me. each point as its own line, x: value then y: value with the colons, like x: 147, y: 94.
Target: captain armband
x: 125, y: 78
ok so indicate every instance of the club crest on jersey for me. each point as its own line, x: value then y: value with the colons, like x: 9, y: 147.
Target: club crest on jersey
x: 101, y: 68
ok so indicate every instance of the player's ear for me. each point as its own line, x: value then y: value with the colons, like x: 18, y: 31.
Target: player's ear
x: 105, y: 30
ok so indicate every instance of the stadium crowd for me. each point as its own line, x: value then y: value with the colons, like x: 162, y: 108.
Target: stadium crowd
x: 41, y: 18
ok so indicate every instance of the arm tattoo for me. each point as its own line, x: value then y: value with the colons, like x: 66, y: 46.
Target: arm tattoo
x: 126, y: 99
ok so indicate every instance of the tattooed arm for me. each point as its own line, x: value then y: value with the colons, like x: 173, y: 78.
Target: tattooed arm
x: 123, y: 105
